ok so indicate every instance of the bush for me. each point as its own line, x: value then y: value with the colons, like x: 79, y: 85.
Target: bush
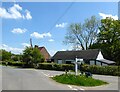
x: 53, y: 66
x: 104, y: 70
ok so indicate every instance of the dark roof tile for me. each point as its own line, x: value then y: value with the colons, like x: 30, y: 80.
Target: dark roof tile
x: 84, y: 54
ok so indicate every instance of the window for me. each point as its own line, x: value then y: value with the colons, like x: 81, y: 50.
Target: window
x: 68, y: 62
x: 98, y: 63
x: 59, y: 61
x: 103, y: 64
x: 92, y: 62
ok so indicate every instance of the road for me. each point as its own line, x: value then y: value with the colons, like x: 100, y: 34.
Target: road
x: 28, y: 79
x: 32, y: 79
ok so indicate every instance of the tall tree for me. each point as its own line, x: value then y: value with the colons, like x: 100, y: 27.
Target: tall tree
x: 109, y: 37
x: 82, y: 35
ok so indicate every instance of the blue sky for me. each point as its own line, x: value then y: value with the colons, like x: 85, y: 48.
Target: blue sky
x: 38, y: 20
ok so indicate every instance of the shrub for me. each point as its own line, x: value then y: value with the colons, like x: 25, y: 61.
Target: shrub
x: 104, y: 70
x: 53, y: 66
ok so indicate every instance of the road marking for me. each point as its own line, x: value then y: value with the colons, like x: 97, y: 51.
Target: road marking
x: 51, y: 76
x: 69, y: 86
x: 45, y: 74
x: 81, y: 89
x: 74, y: 88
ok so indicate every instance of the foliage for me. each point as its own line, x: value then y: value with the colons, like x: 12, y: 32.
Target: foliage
x: 5, y: 55
x: 13, y: 63
x: 78, y: 80
x: 103, y: 70
x: 109, y: 39
x: 82, y: 35
x: 32, y: 56
x: 16, y: 57
x: 37, y: 56
x: 53, y: 66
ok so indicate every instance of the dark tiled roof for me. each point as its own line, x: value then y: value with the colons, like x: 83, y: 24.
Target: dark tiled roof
x: 84, y: 54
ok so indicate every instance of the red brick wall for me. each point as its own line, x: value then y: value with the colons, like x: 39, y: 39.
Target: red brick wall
x: 45, y: 53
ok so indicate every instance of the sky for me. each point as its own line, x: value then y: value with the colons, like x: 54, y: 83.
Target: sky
x: 46, y: 22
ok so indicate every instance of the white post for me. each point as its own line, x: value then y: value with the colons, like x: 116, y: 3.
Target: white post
x: 76, y: 66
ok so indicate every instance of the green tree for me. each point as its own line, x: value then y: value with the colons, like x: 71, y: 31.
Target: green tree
x: 27, y: 55
x: 16, y: 57
x: 37, y: 56
x: 109, y: 39
x: 32, y: 56
x: 82, y: 35
x: 6, y: 55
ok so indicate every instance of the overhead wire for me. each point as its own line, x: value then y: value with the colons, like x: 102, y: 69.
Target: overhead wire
x: 67, y: 9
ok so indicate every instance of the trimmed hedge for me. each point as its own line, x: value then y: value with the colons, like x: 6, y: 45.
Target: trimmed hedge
x: 57, y: 67
x: 103, y: 70
x: 13, y: 63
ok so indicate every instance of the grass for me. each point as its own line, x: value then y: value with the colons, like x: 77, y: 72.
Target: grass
x: 78, y: 80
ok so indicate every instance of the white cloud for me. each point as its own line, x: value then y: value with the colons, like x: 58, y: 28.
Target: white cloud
x: 13, y: 50
x: 62, y: 25
x: 51, y: 40
x: 115, y: 17
x: 40, y: 36
x: 28, y: 15
x: 26, y: 44
x: 14, y: 12
x: 19, y: 30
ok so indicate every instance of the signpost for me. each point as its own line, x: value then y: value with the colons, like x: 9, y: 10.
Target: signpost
x: 76, y: 64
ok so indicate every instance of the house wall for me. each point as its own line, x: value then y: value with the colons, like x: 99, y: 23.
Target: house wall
x: 63, y: 61
x: 100, y: 56
x: 92, y: 62
x: 45, y: 54
x: 103, y: 64
x: 96, y: 62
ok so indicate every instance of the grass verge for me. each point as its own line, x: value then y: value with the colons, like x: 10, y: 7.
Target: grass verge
x: 78, y: 80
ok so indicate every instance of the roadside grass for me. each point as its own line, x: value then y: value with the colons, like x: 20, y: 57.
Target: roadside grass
x: 78, y: 80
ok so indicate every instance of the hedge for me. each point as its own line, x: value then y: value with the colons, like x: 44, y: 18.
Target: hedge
x: 103, y: 70
x: 13, y: 63
x: 57, y: 67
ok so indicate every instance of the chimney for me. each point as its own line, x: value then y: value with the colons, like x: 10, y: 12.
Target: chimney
x: 36, y: 46
x: 31, y: 43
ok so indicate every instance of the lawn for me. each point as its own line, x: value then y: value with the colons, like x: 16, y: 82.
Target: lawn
x: 78, y: 80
